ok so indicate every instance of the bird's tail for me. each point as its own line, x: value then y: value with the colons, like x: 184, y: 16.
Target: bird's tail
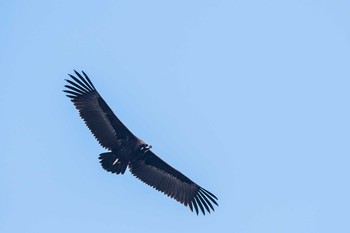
x: 110, y: 162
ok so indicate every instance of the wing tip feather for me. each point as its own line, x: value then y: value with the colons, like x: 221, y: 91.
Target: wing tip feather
x: 80, y: 85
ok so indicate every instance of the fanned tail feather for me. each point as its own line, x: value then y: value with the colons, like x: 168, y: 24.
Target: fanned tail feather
x: 111, y: 163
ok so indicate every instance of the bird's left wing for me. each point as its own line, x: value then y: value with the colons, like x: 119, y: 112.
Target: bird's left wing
x: 99, y: 118
x: 155, y: 172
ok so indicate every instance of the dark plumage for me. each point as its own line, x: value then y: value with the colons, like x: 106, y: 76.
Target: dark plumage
x: 127, y: 150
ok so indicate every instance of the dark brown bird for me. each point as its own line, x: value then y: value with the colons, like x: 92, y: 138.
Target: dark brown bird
x: 127, y: 150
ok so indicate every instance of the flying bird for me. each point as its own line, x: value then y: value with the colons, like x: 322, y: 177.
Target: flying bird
x: 125, y: 150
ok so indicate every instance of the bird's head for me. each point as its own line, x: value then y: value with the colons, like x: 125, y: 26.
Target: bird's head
x: 145, y: 147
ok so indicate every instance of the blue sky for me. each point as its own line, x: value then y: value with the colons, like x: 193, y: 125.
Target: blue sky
x: 250, y: 99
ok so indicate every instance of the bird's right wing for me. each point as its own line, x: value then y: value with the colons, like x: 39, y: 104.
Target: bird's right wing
x: 155, y: 172
x: 102, y: 122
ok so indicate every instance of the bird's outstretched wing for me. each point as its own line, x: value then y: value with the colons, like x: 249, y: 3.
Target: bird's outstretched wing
x: 155, y: 172
x: 100, y: 119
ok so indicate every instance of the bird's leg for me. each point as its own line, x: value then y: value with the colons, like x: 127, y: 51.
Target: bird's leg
x: 116, y: 162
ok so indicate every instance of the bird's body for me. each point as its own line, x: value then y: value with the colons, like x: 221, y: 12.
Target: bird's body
x: 125, y: 150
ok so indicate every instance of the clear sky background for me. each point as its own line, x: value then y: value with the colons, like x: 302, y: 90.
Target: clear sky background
x: 250, y: 99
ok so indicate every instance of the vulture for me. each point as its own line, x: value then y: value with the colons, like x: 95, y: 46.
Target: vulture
x: 125, y: 150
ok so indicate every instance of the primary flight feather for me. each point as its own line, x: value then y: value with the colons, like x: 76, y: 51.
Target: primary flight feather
x: 125, y: 150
